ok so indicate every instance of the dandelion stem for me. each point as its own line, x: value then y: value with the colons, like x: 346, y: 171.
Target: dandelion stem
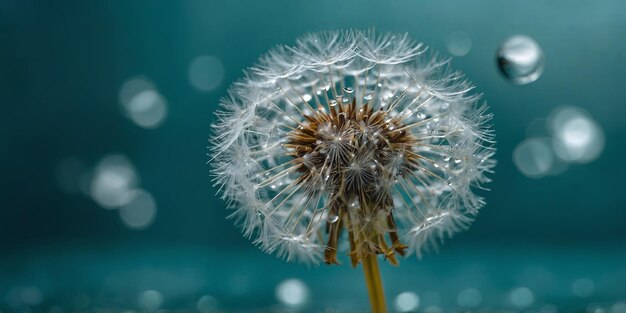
x: 374, y: 283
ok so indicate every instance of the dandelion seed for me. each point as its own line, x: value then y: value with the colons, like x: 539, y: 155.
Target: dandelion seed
x: 363, y: 119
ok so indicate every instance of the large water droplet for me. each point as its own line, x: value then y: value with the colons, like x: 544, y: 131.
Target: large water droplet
x: 348, y: 89
x: 521, y: 60
x: 332, y: 217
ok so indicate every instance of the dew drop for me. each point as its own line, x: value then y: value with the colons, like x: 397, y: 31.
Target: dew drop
x: 446, y: 158
x: 368, y: 97
x: 348, y: 90
x: 332, y: 217
x: 332, y: 103
x: 457, y: 161
x: 355, y: 204
x: 379, y: 85
x: 520, y: 60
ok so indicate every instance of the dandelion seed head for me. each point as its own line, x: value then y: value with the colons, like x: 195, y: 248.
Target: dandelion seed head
x: 351, y: 132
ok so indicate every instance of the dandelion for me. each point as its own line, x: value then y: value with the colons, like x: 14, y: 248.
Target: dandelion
x: 352, y: 141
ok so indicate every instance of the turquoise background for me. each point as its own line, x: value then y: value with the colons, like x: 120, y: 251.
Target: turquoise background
x: 62, y: 64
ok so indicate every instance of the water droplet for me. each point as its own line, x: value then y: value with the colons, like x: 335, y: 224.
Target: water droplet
x: 446, y: 158
x: 521, y: 60
x: 379, y: 85
x: 332, y: 217
x: 348, y: 90
x: 346, y: 100
x: 457, y: 161
x: 355, y: 204
x: 368, y: 97
x: 332, y: 103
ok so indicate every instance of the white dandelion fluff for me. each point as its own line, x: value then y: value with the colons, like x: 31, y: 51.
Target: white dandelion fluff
x: 351, y: 139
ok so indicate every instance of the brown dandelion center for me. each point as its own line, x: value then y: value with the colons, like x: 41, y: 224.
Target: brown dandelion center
x: 355, y: 154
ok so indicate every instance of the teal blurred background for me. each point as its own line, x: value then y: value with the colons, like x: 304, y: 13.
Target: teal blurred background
x: 63, y: 65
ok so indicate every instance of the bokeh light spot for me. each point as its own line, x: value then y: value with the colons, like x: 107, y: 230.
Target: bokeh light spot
x: 206, y: 73
x: 407, y: 301
x: 150, y: 300
x: 113, y: 180
x: 459, y: 43
x: 583, y: 287
x: 206, y: 304
x: 534, y: 157
x: 142, y: 103
x: 32, y: 295
x: 292, y: 292
x: 619, y: 307
x: 140, y: 212
x: 469, y: 298
x: 578, y: 138
x: 522, y: 297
